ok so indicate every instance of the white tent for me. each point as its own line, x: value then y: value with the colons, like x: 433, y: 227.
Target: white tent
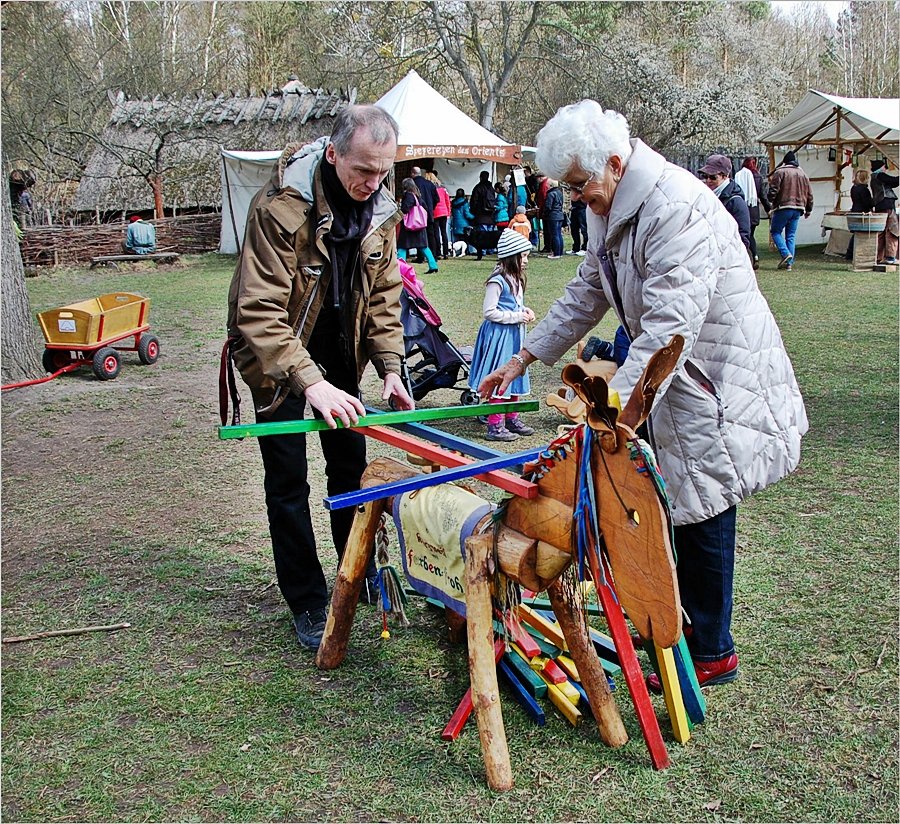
x: 430, y: 127
x: 243, y: 175
x: 831, y: 136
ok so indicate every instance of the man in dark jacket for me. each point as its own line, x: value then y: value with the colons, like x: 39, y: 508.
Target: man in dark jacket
x: 716, y: 173
x: 791, y: 195
x: 884, y: 197
x: 429, y: 200
x: 483, y: 203
x: 315, y: 297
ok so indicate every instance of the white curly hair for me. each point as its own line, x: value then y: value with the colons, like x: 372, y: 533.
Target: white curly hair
x: 582, y: 134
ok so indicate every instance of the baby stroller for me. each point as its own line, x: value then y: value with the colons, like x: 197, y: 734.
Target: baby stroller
x: 441, y: 365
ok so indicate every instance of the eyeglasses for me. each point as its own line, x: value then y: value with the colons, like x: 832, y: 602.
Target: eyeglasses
x: 579, y: 189
x: 704, y: 176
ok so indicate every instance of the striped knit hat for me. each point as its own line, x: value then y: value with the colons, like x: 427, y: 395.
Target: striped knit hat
x: 512, y: 243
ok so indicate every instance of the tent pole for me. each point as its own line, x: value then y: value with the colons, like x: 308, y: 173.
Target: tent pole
x: 838, y: 159
x: 237, y: 240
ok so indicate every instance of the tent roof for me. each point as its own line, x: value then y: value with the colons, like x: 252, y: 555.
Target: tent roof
x: 431, y: 126
x: 863, y: 119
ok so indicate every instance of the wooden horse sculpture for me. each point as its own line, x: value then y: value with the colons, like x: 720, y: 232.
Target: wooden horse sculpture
x: 534, y: 545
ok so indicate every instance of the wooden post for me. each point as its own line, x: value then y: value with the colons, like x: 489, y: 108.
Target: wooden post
x: 359, y: 548
x: 593, y: 679
x: 482, y: 667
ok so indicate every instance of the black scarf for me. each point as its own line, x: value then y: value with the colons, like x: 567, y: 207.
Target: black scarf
x: 350, y: 220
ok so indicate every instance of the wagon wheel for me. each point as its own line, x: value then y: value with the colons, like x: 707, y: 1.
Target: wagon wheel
x: 469, y: 398
x: 54, y: 359
x: 106, y: 363
x: 148, y: 349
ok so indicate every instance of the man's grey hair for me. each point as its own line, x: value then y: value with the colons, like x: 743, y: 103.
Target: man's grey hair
x: 381, y: 125
x: 583, y: 135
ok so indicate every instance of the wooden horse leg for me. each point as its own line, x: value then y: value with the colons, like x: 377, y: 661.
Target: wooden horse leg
x: 593, y: 679
x: 359, y: 548
x: 482, y: 665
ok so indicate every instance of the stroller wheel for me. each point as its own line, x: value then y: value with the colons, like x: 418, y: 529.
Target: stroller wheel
x: 469, y: 398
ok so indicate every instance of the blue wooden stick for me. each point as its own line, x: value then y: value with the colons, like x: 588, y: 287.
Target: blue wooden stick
x: 374, y: 493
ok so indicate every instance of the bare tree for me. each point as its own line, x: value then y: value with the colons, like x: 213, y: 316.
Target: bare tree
x: 18, y: 344
x: 484, y: 42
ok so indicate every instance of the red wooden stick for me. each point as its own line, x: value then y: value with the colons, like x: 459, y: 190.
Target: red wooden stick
x: 553, y: 673
x: 631, y: 669
x: 464, y: 710
x: 502, y: 480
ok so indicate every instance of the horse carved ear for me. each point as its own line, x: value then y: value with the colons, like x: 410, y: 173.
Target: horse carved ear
x: 658, y: 368
x: 594, y: 392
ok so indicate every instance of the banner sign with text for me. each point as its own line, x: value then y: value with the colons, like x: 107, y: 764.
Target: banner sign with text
x: 509, y: 154
x: 433, y: 525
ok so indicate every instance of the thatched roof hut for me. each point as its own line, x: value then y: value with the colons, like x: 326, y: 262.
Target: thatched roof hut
x: 181, y: 139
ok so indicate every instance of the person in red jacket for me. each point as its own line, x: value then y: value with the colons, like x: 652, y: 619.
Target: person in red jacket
x: 442, y: 211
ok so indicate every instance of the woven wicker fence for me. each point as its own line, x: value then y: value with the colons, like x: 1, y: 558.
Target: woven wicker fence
x: 69, y: 245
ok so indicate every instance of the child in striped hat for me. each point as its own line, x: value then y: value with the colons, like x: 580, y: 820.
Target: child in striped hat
x: 503, y: 331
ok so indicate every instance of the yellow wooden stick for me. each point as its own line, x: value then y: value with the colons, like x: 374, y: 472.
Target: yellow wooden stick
x: 565, y: 689
x: 563, y: 704
x: 668, y: 676
x: 551, y: 632
x: 567, y: 665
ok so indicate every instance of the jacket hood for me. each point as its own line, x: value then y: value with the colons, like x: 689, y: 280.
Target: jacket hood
x: 297, y: 171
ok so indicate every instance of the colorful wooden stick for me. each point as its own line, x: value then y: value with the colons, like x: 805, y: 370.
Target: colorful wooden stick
x: 464, y: 710
x: 521, y: 694
x: 422, y: 481
x: 526, y: 675
x: 502, y: 480
x: 634, y: 678
x: 256, y: 430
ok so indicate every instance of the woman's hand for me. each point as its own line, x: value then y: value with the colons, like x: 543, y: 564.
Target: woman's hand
x: 528, y: 315
x: 495, y: 384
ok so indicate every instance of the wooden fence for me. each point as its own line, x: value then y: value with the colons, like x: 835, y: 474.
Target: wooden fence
x: 70, y: 245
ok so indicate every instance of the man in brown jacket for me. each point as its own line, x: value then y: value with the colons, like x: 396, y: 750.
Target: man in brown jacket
x: 314, y: 298
x: 790, y: 193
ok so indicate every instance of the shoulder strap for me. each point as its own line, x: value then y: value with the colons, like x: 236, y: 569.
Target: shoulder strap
x: 228, y: 385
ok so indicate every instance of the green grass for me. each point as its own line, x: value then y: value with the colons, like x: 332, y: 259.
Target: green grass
x: 119, y: 504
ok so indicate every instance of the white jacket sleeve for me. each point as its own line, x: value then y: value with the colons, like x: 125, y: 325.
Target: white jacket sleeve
x: 491, y: 312
x: 572, y: 316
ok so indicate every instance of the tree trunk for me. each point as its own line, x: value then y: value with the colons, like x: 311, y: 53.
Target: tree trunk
x: 19, y: 346
x: 156, y: 184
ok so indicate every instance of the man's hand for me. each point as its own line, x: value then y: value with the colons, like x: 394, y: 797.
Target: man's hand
x: 394, y: 388
x: 501, y: 378
x: 334, y: 403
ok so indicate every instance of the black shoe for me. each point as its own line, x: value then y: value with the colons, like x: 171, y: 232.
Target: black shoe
x: 431, y: 271
x: 310, y: 628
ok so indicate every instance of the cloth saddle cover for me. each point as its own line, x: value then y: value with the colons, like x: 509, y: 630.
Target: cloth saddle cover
x: 433, y: 524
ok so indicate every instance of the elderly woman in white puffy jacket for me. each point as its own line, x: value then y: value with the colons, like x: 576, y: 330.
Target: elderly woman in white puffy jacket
x: 666, y: 257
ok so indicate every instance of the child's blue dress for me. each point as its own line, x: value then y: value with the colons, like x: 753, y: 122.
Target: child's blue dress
x: 498, y: 342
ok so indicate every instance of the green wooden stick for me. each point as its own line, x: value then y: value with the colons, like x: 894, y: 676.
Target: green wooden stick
x: 255, y: 430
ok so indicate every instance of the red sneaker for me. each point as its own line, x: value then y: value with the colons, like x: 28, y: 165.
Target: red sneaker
x: 709, y: 673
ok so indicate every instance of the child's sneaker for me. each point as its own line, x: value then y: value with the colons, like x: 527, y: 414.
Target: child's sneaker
x: 498, y: 432
x: 516, y: 426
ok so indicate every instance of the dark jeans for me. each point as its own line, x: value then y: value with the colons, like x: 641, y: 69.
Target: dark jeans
x: 433, y: 244
x: 300, y: 575
x: 443, y: 238
x: 554, y: 238
x: 578, y: 225
x: 706, y: 580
